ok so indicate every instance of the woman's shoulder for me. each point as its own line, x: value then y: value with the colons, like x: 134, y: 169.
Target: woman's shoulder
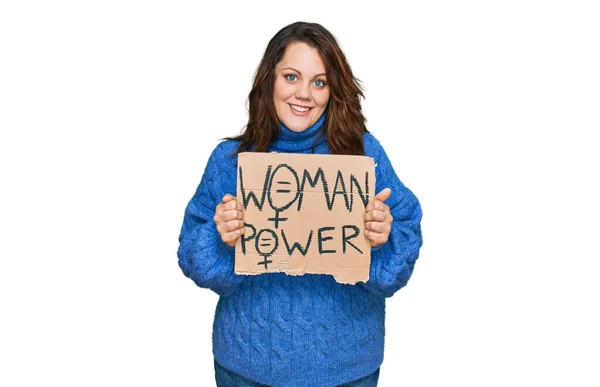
x: 224, y: 153
x: 372, y: 146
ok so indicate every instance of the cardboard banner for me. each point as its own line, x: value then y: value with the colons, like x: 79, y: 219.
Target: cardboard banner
x: 304, y: 213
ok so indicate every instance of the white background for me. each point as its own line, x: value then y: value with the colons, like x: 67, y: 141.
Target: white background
x: 109, y: 110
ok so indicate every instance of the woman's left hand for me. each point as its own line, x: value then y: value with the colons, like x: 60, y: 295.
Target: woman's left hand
x: 378, y: 219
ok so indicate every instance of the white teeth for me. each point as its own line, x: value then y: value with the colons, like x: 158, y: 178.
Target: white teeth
x: 299, y: 109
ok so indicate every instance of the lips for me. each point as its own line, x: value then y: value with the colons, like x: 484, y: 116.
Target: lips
x: 299, y: 109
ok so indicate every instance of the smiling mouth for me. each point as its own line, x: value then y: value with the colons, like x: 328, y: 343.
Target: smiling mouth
x: 300, y: 109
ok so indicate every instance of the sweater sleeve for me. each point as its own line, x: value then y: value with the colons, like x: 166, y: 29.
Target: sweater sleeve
x: 203, y: 256
x: 392, y: 263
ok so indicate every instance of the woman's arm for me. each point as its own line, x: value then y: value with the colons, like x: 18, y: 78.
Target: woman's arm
x: 203, y: 256
x: 392, y: 263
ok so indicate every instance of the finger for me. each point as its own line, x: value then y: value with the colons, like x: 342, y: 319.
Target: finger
x: 223, y: 215
x: 230, y: 205
x: 233, y: 225
x: 379, y: 205
x: 232, y: 236
x: 383, y: 195
x: 379, y: 227
x: 378, y: 200
x: 219, y: 209
x: 375, y: 216
x: 228, y: 215
x: 374, y: 205
x: 375, y: 226
x: 227, y: 198
x: 375, y: 237
x: 372, y: 236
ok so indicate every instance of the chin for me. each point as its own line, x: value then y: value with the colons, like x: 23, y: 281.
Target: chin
x: 296, y: 126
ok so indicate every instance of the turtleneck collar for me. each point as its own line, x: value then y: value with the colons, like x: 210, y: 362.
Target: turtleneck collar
x: 297, y: 142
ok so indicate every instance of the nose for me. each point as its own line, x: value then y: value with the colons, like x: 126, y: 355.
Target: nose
x: 303, y: 91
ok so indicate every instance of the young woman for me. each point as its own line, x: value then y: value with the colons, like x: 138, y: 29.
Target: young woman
x: 279, y: 330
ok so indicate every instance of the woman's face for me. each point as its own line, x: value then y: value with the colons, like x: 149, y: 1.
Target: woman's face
x: 301, y: 91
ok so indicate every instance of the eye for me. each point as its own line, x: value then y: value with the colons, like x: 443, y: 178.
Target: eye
x: 320, y: 83
x: 290, y: 77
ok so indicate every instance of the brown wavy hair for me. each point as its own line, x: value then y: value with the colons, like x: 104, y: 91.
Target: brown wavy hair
x: 345, y: 123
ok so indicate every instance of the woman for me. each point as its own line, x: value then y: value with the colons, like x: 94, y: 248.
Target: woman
x: 279, y: 330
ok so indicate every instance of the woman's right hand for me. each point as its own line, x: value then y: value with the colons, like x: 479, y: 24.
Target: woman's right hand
x: 228, y: 218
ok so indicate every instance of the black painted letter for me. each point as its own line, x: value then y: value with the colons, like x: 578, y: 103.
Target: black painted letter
x: 322, y: 239
x: 346, y: 239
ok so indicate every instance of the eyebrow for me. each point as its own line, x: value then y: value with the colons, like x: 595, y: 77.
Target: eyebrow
x: 291, y: 68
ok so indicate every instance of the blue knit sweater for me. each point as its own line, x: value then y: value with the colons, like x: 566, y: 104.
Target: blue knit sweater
x: 305, y: 330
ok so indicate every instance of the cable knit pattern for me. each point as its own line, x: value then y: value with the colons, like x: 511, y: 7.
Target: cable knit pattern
x: 305, y: 330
